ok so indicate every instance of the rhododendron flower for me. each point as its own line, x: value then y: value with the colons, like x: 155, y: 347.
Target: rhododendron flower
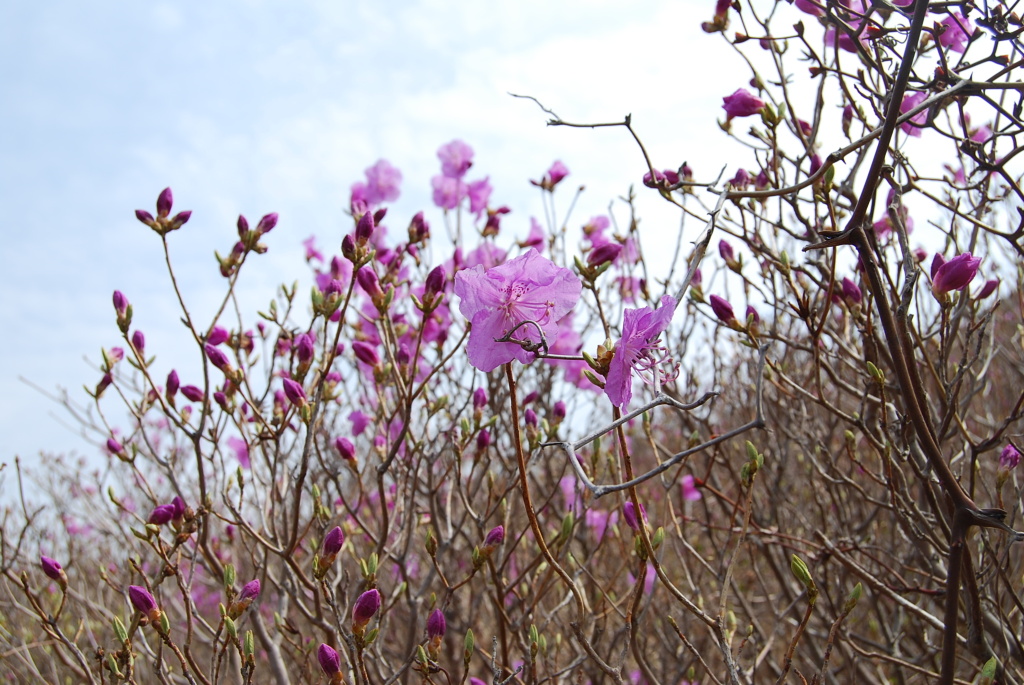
x: 913, y: 127
x: 553, y: 177
x: 529, y: 288
x: 1009, y: 458
x: 956, y: 274
x: 241, y: 450
x: 364, y: 609
x: 330, y: 661
x: 742, y: 104
x: 629, y: 514
x: 956, y: 31
x: 639, y: 349
x: 382, y: 183
x: 722, y: 309
x: 448, y: 192
x: 456, y: 158
x: 689, y: 488
x: 479, y: 193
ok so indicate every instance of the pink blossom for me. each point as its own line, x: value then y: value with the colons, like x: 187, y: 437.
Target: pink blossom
x: 479, y: 193
x: 311, y: 251
x: 722, y: 309
x: 382, y: 183
x: 956, y: 31
x: 359, y: 422
x: 956, y: 274
x: 241, y: 450
x: 1009, y: 458
x: 456, y: 159
x: 742, y: 104
x: 913, y: 126
x: 639, y: 350
x: 448, y: 192
x: 496, y: 301
x: 553, y: 177
x: 689, y: 488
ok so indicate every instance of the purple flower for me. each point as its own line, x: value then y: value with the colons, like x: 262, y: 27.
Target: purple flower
x: 436, y: 625
x: 178, y: 505
x: 161, y: 515
x: 479, y: 193
x: 456, y: 158
x: 164, y: 202
x: 329, y: 660
x: 722, y: 309
x: 851, y: 291
x: 629, y: 514
x: 955, y: 274
x: 114, y: 447
x: 483, y: 439
x: 365, y: 607
x: 217, y: 336
x: 294, y: 392
x: 138, y: 341
x: 638, y: 349
x: 346, y: 450
x: 493, y: 540
x: 120, y: 303
x: 496, y: 301
x: 304, y: 347
x: 250, y: 590
x: 742, y: 104
x: 172, y: 384
x: 448, y: 192
x: 266, y: 223
x: 53, y: 570
x: 366, y: 353
x: 667, y: 175
x: 1009, y: 458
x: 989, y: 288
x: 553, y: 177
x: 192, y: 393
x: 241, y: 450
x: 913, y: 126
x: 333, y: 542
x: 689, y: 487
x: 606, y: 252
x: 359, y: 422
x: 143, y: 601
x: 956, y: 31
x: 382, y: 183
x: 216, y: 357
x: 479, y: 398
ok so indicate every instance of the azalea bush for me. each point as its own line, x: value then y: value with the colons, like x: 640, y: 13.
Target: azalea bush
x: 778, y: 441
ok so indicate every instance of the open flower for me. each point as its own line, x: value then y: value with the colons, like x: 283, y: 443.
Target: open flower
x: 530, y: 290
x: 639, y: 349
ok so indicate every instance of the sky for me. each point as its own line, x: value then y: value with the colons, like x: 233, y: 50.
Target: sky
x: 255, y: 106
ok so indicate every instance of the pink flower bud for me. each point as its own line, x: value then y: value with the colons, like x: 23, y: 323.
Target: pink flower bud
x: 145, y: 217
x: 217, y: 336
x: 192, y: 393
x: 558, y: 412
x: 723, y: 310
x: 333, y: 542
x: 494, y: 538
x: 161, y: 515
x: 479, y: 398
x: 742, y: 104
x: 114, y: 446
x: 365, y: 608
x: 629, y: 514
x: 172, y: 383
x: 364, y: 229
x: 851, y: 291
x: 330, y: 661
x: 955, y: 274
x: 52, y: 569
x: 120, y: 303
x: 250, y: 590
x: 142, y: 600
x: 1009, y: 458
x: 436, y: 625
x: 369, y: 282
x: 604, y: 253
x: 294, y: 392
x: 267, y: 223
x: 530, y: 418
x: 483, y: 439
x: 366, y: 353
x: 304, y: 347
x: 164, y: 202
x: 345, y: 448
x: 435, y: 282
x: 139, y: 341
x: 989, y: 288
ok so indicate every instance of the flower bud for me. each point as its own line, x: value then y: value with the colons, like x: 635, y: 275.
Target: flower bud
x: 346, y: 450
x: 330, y: 661
x: 365, y: 608
x: 1009, y: 458
x: 604, y: 253
x: 267, y: 223
x: 955, y: 274
x: 629, y: 514
x: 192, y: 393
x: 494, y: 538
x: 436, y: 625
x: 161, y: 515
x: 722, y: 309
x: 435, y: 282
x: 144, y: 602
x: 294, y: 392
x: 164, y: 202
x: 333, y: 542
x: 139, y: 342
x: 366, y: 353
x: 54, y: 571
x: 364, y: 229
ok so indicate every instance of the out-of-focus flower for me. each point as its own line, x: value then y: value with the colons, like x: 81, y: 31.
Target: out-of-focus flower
x: 161, y: 515
x: 553, y: 177
x: 529, y: 288
x: 640, y: 350
x: 448, y: 192
x: 851, y: 292
x: 987, y: 289
x: 456, y: 158
x: 689, y: 488
x: 1009, y: 458
x: 346, y: 450
x: 742, y: 104
x: 192, y: 393
x: 383, y: 183
x: 436, y: 625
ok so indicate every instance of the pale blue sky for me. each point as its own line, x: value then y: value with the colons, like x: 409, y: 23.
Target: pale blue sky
x: 258, y: 106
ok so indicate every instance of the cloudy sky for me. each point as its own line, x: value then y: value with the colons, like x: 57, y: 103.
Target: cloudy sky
x: 251, y: 106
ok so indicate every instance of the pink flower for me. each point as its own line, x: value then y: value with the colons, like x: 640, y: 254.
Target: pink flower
x: 1009, y: 458
x: 742, y: 104
x: 448, y: 192
x: 639, y: 350
x: 294, y: 392
x: 382, y: 183
x: 479, y: 193
x: 956, y: 31
x: 359, y: 422
x: 689, y: 487
x: 330, y: 661
x: 456, y: 158
x: 956, y: 274
x: 722, y: 309
x: 629, y: 513
x: 913, y: 127
x: 241, y: 450
x: 365, y: 608
x: 496, y: 301
x: 553, y: 177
